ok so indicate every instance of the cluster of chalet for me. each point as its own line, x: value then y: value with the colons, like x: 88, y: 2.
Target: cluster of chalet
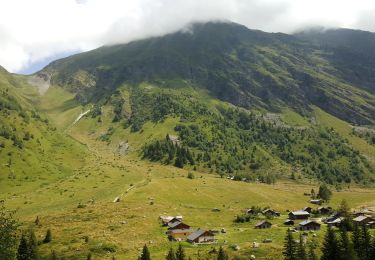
x: 266, y: 212
x: 362, y: 217
x: 179, y: 231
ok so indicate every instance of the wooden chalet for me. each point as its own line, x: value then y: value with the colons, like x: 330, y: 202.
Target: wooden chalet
x: 316, y: 201
x: 166, y: 219
x: 309, y: 225
x: 270, y: 212
x: 324, y: 210
x: 201, y: 236
x: 362, y: 220
x: 289, y: 222
x: 307, y: 209
x: 179, y: 234
x: 300, y: 214
x: 263, y: 224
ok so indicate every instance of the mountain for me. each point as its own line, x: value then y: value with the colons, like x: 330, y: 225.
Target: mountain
x: 248, y: 68
x: 221, y: 98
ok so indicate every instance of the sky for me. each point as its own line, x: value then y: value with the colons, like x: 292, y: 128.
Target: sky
x: 35, y: 32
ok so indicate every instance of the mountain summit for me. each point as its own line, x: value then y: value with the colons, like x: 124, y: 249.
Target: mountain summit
x: 248, y: 68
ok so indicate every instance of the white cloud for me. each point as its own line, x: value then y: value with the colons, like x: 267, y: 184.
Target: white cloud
x: 33, y: 30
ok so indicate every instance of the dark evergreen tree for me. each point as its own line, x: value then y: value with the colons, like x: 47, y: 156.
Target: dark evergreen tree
x: 180, y: 253
x: 222, y: 255
x: 33, y: 246
x: 357, y: 241
x: 312, y: 247
x: 330, y: 247
x: 290, y: 247
x: 171, y: 255
x: 89, y: 256
x: 344, y: 212
x: 366, y: 243
x: 23, y: 249
x: 8, y: 234
x: 48, y: 237
x: 145, y: 253
x: 346, y: 247
x: 324, y: 192
x: 301, y: 251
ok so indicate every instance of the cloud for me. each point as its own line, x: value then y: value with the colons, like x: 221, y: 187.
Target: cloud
x: 32, y: 31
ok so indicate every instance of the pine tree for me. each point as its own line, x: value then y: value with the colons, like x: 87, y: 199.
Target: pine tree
x: 301, y: 252
x: 346, y: 247
x: 89, y: 256
x: 357, y: 241
x: 312, y: 248
x: 222, y: 255
x: 324, y: 193
x: 180, y: 253
x: 330, y: 247
x: 145, y: 253
x: 366, y: 242
x: 23, y: 249
x: 48, y: 237
x: 171, y: 255
x: 289, y: 247
x: 33, y: 246
x: 344, y: 213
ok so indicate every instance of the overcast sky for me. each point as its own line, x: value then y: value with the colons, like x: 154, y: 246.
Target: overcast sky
x: 34, y: 32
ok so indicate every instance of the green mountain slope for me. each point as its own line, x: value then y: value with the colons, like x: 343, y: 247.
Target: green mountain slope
x: 245, y: 67
x: 32, y: 151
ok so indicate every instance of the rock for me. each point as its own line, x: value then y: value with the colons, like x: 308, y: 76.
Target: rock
x: 223, y: 230
x: 252, y: 257
x: 117, y: 199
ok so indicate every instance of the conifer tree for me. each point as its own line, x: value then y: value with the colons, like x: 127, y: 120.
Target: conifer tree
x: 290, y: 247
x: 180, y: 253
x: 54, y: 255
x: 145, y: 253
x: 48, y: 237
x: 357, y: 240
x: 222, y: 255
x: 171, y: 255
x: 89, y: 256
x: 301, y: 252
x: 312, y: 247
x: 8, y: 233
x: 344, y: 213
x: 33, y: 246
x: 366, y: 242
x: 23, y: 249
x: 346, y: 247
x: 330, y: 247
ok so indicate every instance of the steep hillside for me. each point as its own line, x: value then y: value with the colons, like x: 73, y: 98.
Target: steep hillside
x: 32, y: 151
x: 248, y: 68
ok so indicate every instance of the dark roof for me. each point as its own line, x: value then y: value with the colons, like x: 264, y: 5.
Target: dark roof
x: 196, y: 234
x: 306, y: 222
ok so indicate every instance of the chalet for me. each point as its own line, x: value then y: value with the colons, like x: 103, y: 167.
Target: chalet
x: 307, y: 209
x: 334, y: 222
x: 177, y: 225
x: 263, y: 224
x: 299, y: 215
x: 179, y: 234
x: 309, y: 225
x: 201, y: 236
x: 324, y: 210
x: 289, y: 222
x: 371, y: 224
x: 270, y: 212
x: 316, y: 201
x: 166, y: 219
x: 249, y: 211
x: 362, y: 220
x: 363, y: 212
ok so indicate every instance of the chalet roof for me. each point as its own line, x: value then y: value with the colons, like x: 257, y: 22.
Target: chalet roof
x: 288, y: 220
x: 360, y: 218
x: 335, y: 221
x: 306, y: 222
x: 174, y: 224
x: 196, y: 234
x: 300, y: 213
x: 262, y: 222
